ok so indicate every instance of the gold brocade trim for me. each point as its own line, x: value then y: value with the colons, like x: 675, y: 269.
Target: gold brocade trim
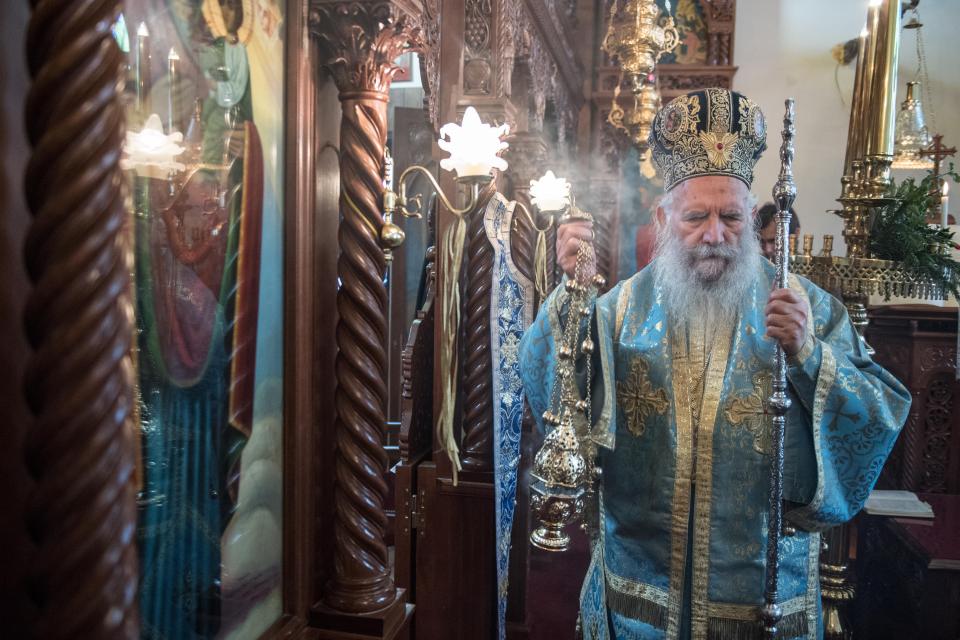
x: 680, y: 508
x: 813, y: 585
x: 637, y: 600
x: 713, y: 387
x: 791, y: 626
x: 636, y: 589
x: 603, y: 431
x: 623, y: 301
x: 650, y: 605
x: 749, y: 412
x: 638, y: 398
x: 748, y: 612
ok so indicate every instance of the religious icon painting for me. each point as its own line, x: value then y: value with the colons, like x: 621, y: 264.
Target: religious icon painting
x: 206, y: 77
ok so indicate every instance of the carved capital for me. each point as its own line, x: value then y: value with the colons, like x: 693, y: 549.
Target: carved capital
x: 360, y: 40
x: 527, y: 158
x: 721, y: 11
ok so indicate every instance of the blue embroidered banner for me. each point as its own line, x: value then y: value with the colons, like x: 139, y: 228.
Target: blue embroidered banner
x: 511, y: 312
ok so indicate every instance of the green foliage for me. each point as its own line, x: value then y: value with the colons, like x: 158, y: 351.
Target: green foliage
x: 900, y: 232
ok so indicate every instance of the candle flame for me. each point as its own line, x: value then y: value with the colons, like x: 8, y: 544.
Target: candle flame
x: 946, y: 188
x: 876, y: 3
x: 173, y: 54
x: 142, y: 30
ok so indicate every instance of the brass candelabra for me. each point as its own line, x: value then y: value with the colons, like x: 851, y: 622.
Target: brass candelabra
x: 866, y: 181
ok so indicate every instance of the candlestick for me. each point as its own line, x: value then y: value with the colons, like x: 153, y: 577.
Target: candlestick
x: 866, y: 107
x: 855, y: 143
x: 141, y: 66
x: 173, y: 61
x: 944, y: 200
x: 884, y: 89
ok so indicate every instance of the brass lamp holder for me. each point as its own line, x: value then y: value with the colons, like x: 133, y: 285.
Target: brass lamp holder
x: 391, y: 235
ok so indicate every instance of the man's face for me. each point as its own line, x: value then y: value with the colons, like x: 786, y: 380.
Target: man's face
x: 768, y: 240
x: 708, y: 217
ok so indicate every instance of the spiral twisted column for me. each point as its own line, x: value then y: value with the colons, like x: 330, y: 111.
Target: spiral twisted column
x: 523, y: 237
x: 527, y: 157
x: 477, y: 445
x: 359, y: 42
x: 78, y: 320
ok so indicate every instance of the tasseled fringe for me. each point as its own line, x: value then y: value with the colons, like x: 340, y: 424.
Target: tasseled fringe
x: 450, y: 258
x: 541, y: 277
x: 637, y: 608
x: 792, y: 626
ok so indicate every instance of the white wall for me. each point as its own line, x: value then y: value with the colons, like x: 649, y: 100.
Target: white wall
x: 783, y: 50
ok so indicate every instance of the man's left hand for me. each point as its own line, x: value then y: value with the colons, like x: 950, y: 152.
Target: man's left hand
x: 786, y: 316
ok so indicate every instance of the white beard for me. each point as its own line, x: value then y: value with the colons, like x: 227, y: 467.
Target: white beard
x: 706, y: 283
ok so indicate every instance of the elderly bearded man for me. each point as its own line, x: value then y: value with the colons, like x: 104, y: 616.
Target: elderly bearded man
x: 683, y: 370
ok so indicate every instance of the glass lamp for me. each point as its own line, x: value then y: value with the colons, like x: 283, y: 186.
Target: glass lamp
x: 150, y: 152
x: 473, y: 147
x: 550, y: 193
x: 912, y: 135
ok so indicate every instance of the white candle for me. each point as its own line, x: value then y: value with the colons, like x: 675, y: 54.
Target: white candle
x: 141, y: 67
x: 173, y: 61
x: 944, y: 200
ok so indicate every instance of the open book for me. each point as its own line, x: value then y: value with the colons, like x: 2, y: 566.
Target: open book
x: 900, y: 504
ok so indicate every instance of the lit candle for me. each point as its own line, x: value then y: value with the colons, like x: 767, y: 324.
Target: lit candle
x: 141, y: 67
x: 944, y: 200
x: 173, y: 61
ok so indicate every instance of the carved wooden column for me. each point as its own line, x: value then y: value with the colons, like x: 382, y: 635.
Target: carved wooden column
x: 358, y: 43
x: 477, y: 381
x: 721, y: 18
x: 79, y: 322
x: 528, y: 161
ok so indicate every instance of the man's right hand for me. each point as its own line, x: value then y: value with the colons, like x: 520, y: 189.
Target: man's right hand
x: 569, y: 238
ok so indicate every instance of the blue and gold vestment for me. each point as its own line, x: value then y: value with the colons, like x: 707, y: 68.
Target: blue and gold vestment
x: 683, y: 500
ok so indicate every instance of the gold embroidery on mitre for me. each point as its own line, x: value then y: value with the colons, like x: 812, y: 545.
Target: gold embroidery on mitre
x: 638, y: 397
x: 749, y: 412
x: 719, y: 147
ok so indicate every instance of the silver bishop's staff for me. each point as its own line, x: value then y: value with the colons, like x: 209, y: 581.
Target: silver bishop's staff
x: 784, y: 193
